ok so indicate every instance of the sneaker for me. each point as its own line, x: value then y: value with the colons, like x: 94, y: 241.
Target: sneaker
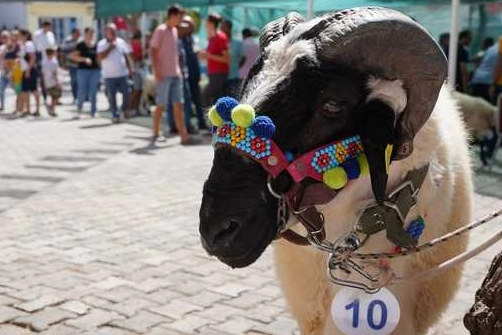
x: 116, y: 120
x: 53, y: 114
x: 192, y: 140
x: 158, y: 138
x: 37, y: 114
x: 95, y: 115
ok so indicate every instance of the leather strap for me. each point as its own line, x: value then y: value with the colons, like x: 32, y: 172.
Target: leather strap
x: 390, y: 215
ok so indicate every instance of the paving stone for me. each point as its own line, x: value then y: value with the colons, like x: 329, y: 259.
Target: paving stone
x: 107, y: 330
x: 176, y: 309
x: 280, y: 326
x: 14, y: 330
x: 231, y: 289
x: 41, y: 320
x: 188, y: 324
x: 235, y: 326
x: 95, y: 318
x: 140, y: 322
x: 8, y: 313
x: 111, y: 282
x: 39, y: 303
x: 132, y: 306
x: 75, y: 306
x: 60, y: 329
x: 205, y: 299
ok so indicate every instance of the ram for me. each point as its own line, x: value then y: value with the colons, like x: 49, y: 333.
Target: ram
x: 371, y: 76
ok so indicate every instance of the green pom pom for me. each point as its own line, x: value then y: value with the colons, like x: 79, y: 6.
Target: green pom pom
x: 336, y: 178
x: 214, y: 117
x: 243, y: 115
x: 363, y: 165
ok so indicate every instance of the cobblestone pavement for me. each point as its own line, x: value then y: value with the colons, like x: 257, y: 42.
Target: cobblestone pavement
x: 99, y: 236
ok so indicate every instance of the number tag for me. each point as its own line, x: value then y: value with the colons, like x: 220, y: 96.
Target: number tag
x: 358, y: 313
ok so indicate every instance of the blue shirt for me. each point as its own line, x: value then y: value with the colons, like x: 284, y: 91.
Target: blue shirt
x: 484, y: 73
x: 192, y: 62
x: 236, y: 54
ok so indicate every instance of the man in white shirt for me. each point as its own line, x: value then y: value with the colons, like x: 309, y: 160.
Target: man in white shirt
x: 43, y: 38
x: 114, y: 55
x: 251, y: 52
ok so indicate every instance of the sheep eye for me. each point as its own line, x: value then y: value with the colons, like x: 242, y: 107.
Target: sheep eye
x: 333, y: 108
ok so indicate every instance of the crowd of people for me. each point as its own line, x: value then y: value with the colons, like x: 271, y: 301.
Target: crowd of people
x: 172, y: 59
x: 29, y: 65
x: 479, y: 75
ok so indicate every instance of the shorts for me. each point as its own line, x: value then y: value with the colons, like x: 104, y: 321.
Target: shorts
x: 170, y: 90
x: 30, y: 84
x: 54, y: 92
x: 17, y: 88
x: 137, y: 81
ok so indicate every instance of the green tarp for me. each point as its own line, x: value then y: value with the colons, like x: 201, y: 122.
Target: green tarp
x: 107, y: 8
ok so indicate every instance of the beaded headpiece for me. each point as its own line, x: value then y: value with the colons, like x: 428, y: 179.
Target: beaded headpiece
x: 236, y: 125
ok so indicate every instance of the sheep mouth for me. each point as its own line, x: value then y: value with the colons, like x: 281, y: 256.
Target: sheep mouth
x: 252, y: 252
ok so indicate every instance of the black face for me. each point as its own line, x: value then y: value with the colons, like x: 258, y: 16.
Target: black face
x: 312, y: 107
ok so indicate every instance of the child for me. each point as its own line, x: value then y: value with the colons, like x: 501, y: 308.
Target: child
x: 16, y: 81
x: 50, y: 75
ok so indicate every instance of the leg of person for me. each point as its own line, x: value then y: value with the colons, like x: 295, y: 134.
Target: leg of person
x: 4, y: 83
x: 209, y: 91
x: 42, y: 83
x: 196, y: 99
x: 170, y: 118
x: 94, y: 76
x: 34, y: 90
x: 176, y: 96
x: 111, y: 89
x: 124, y: 90
x: 73, y: 83
x: 82, y: 86
x: 221, y: 80
x: 187, y: 107
x: 161, y: 100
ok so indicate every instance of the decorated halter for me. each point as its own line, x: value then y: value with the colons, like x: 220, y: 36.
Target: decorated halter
x: 236, y: 125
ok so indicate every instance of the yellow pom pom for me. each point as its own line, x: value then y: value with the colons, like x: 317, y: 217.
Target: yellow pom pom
x: 214, y: 117
x: 363, y: 165
x: 243, y: 115
x: 335, y: 178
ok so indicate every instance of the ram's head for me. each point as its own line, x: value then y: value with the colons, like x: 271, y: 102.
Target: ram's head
x: 367, y: 71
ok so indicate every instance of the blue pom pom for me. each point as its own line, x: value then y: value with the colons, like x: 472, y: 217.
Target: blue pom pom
x: 289, y: 156
x: 224, y: 107
x: 263, y: 126
x: 351, y: 166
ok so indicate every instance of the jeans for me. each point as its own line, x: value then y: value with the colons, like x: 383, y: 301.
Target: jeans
x: 187, y: 107
x: 197, y: 101
x: 215, y: 88
x: 73, y: 82
x: 4, y: 82
x: 114, y: 85
x: 87, y: 84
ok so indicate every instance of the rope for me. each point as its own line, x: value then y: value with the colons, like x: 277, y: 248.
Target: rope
x: 436, y: 241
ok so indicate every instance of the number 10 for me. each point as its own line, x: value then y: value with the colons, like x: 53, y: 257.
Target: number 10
x: 370, y: 314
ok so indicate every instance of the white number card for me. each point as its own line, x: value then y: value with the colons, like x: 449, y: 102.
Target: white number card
x: 358, y: 313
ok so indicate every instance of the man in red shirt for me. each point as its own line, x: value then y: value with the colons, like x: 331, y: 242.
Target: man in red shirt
x: 218, y: 60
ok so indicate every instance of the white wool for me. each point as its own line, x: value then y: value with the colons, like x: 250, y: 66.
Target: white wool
x: 389, y: 91
x: 281, y: 61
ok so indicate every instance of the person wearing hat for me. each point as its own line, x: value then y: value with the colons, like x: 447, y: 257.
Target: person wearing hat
x: 50, y: 67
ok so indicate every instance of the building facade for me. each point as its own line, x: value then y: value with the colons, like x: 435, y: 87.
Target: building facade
x: 64, y: 15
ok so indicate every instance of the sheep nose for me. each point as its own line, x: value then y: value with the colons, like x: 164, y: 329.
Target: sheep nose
x: 225, y: 233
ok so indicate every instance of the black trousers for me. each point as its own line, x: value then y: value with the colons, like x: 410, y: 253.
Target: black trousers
x: 215, y: 88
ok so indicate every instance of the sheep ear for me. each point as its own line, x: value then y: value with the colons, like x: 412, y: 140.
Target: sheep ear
x: 375, y: 125
x: 278, y: 28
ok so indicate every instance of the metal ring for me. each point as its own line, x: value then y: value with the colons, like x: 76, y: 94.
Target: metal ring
x: 271, y: 190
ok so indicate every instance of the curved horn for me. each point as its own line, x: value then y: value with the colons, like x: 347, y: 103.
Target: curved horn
x: 387, y: 44
x: 278, y: 28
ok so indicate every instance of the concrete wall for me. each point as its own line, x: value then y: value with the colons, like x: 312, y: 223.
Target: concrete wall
x: 12, y: 14
x: 84, y: 12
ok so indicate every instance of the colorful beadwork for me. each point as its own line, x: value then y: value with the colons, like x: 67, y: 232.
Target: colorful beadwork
x: 236, y: 125
x: 415, y: 229
x: 243, y: 139
x: 337, y: 153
